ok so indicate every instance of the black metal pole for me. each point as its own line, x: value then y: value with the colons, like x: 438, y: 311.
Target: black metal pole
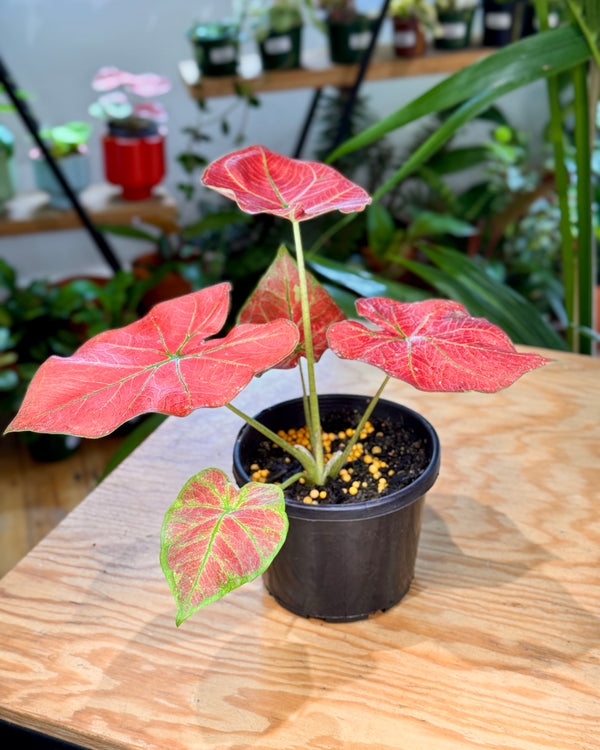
x: 32, y: 126
x: 307, y: 122
x: 364, y: 64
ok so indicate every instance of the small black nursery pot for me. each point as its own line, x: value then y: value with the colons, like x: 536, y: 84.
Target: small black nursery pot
x: 343, y: 562
x: 502, y: 22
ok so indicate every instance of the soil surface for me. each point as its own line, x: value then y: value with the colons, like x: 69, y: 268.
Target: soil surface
x: 396, y: 452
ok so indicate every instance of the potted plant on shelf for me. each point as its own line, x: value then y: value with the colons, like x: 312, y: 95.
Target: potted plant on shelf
x: 7, y: 166
x: 342, y: 472
x: 277, y: 27
x: 134, y: 147
x: 216, y: 46
x: 455, y: 20
x: 67, y: 145
x: 503, y: 21
x: 413, y: 20
x: 349, y: 32
x: 8, y: 173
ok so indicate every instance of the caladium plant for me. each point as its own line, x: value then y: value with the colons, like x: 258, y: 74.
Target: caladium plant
x: 215, y: 536
x: 116, y: 86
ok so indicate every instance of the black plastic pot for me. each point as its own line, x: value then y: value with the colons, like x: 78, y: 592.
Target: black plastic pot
x: 281, y: 51
x: 344, y: 562
x: 455, y: 28
x: 216, y: 49
x: 502, y: 22
x: 349, y: 41
x: 132, y: 127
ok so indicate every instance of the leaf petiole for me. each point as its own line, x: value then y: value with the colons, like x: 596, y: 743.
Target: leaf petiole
x: 334, y: 467
x: 302, y: 456
x: 314, y: 426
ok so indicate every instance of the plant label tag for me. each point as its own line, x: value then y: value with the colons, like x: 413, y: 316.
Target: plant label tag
x: 405, y: 39
x: 454, y: 30
x: 360, y: 40
x: 222, y: 55
x: 553, y: 21
x: 498, y: 21
x: 278, y: 45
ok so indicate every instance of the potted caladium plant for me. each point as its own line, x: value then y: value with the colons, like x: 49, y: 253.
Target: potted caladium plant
x: 134, y: 146
x: 215, y: 536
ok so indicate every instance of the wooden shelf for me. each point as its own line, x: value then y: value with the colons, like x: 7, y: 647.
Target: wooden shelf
x: 30, y: 212
x: 317, y: 71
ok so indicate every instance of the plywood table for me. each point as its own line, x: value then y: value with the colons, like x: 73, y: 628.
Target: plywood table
x: 497, y: 644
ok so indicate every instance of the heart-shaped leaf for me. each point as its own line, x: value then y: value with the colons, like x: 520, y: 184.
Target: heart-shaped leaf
x: 278, y: 296
x: 216, y: 538
x: 261, y: 181
x: 161, y: 363
x: 434, y: 345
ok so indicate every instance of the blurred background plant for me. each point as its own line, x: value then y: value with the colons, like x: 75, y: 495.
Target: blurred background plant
x: 66, y: 139
x: 573, y: 50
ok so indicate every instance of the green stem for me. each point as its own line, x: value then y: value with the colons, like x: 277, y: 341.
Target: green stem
x: 587, y: 29
x: 305, y: 404
x: 290, y: 480
x: 569, y: 259
x: 585, y: 242
x: 305, y: 459
x: 341, y: 460
x: 314, y: 427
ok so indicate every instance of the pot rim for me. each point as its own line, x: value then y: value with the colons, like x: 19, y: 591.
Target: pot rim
x: 369, y: 508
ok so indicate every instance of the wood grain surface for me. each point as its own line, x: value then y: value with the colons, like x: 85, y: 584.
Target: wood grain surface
x: 497, y: 644
x: 35, y: 497
x: 30, y: 212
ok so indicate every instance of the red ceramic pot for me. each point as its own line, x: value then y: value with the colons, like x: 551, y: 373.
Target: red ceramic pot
x: 409, y: 40
x: 137, y: 163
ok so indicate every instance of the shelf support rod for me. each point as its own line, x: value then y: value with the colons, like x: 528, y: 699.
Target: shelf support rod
x: 364, y: 64
x: 307, y: 122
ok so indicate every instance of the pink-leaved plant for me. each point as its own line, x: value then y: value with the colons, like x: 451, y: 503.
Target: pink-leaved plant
x: 116, y: 86
x: 215, y: 536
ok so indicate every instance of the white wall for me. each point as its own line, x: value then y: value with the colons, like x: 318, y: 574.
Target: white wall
x: 54, y: 47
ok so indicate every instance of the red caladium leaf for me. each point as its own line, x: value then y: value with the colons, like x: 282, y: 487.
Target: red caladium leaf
x: 434, y: 345
x: 278, y: 296
x: 261, y: 181
x: 162, y: 362
x: 216, y: 538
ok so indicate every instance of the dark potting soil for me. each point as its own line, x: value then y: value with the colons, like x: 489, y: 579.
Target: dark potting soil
x: 405, y: 453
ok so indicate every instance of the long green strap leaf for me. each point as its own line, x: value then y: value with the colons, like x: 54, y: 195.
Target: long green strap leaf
x: 538, y: 56
x: 498, y: 297
x: 461, y: 116
x: 587, y: 15
x: 364, y: 283
x: 585, y: 241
